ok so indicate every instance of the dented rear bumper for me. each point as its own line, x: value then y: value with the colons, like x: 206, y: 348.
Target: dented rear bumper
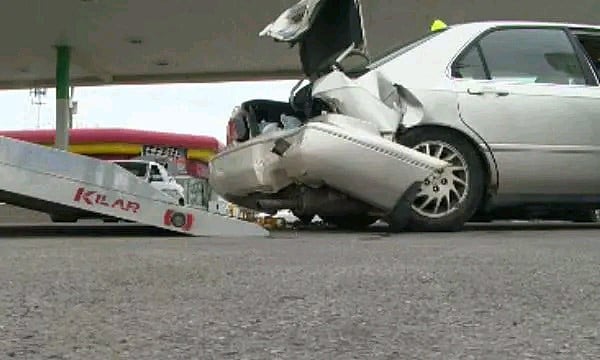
x: 353, y: 161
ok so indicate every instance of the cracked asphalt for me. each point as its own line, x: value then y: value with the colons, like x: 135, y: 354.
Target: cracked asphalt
x: 492, y: 292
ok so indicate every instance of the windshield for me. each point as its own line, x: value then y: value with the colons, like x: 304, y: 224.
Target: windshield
x: 395, y: 52
x: 137, y: 168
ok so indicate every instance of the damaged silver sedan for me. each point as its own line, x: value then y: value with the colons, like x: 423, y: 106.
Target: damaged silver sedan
x: 464, y: 123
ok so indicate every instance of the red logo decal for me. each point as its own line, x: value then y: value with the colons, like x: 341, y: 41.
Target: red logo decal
x: 167, y: 217
x: 95, y: 198
x: 81, y: 194
x: 189, y: 222
x: 178, y: 219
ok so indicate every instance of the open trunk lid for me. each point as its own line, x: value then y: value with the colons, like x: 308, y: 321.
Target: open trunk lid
x: 324, y: 29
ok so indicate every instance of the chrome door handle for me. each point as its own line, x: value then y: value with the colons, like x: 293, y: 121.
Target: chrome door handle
x: 471, y: 91
x: 486, y: 90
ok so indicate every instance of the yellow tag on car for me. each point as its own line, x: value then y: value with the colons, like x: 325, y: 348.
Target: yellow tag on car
x: 438, y: 25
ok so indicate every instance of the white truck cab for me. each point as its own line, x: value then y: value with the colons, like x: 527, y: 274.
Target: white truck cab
x: 156, y: 175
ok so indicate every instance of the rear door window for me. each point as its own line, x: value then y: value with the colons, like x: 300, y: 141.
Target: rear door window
x: 522, y: 55
x: 470, y: 65
x: 589, y: 39
x: 532, y: 56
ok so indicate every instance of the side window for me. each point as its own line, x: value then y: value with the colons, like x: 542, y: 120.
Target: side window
x: 469, y: 66
x: 154, y: 171
x: 532, y: 55
x: 590, y: 42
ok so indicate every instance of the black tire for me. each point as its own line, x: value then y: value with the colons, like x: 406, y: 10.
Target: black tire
x: 181, y: 202
x: 481, y: 218
x: 353, y: 222
x: 63, y: 218
x: 584, y: 216
x: 455, y: 220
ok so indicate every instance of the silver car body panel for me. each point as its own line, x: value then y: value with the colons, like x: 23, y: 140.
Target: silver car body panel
x: 545, y: 136
x: 321, y: 153
x: 424, y: 72
x: 372, y: 98
x: 521, y: 144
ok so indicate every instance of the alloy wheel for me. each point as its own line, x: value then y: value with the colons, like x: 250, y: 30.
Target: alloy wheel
x: 444, y: 194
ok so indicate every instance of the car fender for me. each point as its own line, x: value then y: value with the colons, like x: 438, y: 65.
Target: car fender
x: 439, y: 108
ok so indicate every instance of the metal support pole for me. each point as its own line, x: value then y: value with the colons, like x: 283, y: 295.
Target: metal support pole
x: 63, y: 58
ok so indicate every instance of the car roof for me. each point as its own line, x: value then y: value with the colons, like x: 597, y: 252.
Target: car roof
x: 483, y: 25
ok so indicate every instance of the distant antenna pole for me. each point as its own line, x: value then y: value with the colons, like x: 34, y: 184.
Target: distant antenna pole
x: 72, y: 107
x: 37, y: 94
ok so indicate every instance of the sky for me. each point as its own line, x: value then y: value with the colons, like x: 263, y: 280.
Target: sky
x: 199, y: 109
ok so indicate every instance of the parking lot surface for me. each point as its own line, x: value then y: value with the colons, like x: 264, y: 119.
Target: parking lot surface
x: 491, y: 292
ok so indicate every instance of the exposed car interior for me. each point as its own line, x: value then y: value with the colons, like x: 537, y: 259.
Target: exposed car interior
x: 335, y: 33
x: 259, y: 116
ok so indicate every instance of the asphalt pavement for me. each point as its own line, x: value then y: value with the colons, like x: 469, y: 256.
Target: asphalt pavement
x: 508, y: 291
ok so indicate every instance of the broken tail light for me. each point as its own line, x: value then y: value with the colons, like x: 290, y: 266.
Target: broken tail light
x: 237, y: 128
x: 231, y: 133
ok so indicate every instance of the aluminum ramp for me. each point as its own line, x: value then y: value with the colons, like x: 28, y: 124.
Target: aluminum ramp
x: 48, y: 180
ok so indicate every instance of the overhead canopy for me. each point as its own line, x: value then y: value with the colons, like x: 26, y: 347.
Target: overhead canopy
x: 152, y: 41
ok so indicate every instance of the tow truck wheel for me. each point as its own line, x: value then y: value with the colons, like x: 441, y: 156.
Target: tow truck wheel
x: 446, y: 203
x: 355, y: 222
x: 63, y: 218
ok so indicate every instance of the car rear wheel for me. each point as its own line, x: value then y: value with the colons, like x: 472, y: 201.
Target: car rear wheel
x: 449, y: 201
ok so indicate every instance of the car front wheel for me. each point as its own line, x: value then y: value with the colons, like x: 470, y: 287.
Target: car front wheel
x: 446, y: 203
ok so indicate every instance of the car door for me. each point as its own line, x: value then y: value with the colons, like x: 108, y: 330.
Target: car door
x: 169, y: 181
x: 530, y: 94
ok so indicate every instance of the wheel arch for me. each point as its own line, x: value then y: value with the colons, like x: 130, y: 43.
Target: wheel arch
x: 482, y: 150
